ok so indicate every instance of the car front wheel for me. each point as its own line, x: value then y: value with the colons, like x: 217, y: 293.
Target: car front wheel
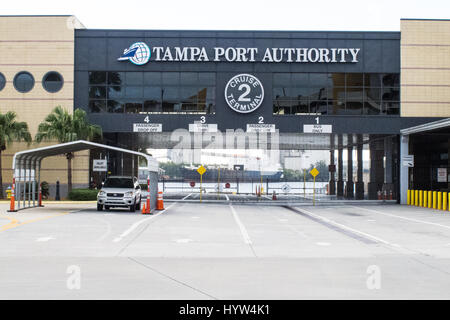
x: 133, y: 207
x: 99, y: 207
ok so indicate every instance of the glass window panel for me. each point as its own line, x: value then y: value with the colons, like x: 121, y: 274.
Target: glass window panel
x: 318, y: 107
x: 23, y: 82
x: 336, y: 80
x: 188, y: 78
x: 354, y: 79
x: 97, y: 77
x: 391, y: 80
x: 115, y: 106
x: 391, y: 108
x: 390, y: 94
x: 208, y: 93
x: 354, y: 107
x: 336, y: 93
x: 133, y: 107
x: 152, y: 78
x: 115, y: 92
x: 116, y: 78
x: 2, y: 81
x: 207, y: 78
x: 96, y: 106
x: 210, y: 107
x: 168, y: 106
x: 320, y: 80
x: 317, y: 93
x: 189, y: 93
x: 336, y: 107
x: 171, y: 78
x: 153, y: 93
x: 372, y: 107
x: 170, y: 93
x: 52, y: 82
x: 152, y: 106
x: 97, y: 92
x: 134, y: 78
x: 281, y: 79
x: 134, y: 92
x: 372, y: 94
x: 354, y: 94
x: 372, y: 80
x: 300, y: 80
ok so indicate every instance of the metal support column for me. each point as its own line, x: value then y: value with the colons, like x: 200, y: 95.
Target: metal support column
x: 359, y: 183
x: 350, y: 185
x: 404, y: 171
x: 332, y: 183
x: 340, y: 182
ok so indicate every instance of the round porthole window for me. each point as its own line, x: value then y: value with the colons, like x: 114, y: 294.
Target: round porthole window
x: 23, y: 82
x: 52, y: 81
x: 2, y: 81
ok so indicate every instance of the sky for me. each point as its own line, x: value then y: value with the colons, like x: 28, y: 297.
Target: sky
x: 334, y: 15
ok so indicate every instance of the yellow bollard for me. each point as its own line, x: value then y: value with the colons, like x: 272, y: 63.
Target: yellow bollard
x: 434, y: 199
x: 408, y: 198
x: 420, y: 198
x: 444, y: 201
x: 430, y: 199
x: 425, y: 199
x: 416, y: 198
x: 439, y: 206
x: 412, y: 197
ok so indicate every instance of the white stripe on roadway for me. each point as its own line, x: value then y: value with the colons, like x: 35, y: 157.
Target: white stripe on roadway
x: 190, y: 194
x: 226, y: 196
x: 138, y: 223
x: 344, y: 227
x: 241, y: 226
x: 404, y: 218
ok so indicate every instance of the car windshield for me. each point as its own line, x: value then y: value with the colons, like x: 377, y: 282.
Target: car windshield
x: 119, y: 183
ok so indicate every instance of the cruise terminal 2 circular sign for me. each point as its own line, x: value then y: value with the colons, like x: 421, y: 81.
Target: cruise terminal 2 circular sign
x: 244, y: 93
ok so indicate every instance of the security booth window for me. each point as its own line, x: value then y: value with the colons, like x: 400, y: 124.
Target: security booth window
x: 152, y: 92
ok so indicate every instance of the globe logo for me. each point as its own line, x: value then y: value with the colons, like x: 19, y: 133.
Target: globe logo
x: 138, y: 53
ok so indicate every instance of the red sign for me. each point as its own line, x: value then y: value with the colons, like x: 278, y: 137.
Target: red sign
x: 227, y: 185
x: 192, y: 184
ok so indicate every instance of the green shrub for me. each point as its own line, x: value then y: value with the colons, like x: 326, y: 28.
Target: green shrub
x: 83, y: 194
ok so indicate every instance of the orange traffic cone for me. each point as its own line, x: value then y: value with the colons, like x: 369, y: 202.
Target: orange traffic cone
x: 160, y: 201
x: 143, y: 209
x: 274, y: 196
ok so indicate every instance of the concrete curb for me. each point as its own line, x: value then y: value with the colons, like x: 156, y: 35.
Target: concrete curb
x: 291, y: 203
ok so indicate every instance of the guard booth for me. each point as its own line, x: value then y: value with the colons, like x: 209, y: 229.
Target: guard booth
x: 26, y: 166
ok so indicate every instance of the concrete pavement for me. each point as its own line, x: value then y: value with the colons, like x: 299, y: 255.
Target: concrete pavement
x: 225, y: 251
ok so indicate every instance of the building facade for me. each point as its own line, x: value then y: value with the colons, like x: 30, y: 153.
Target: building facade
x: 339, y: 91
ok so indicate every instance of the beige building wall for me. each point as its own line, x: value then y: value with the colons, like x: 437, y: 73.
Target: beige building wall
x: 39, y: 44
x: 425, y: 68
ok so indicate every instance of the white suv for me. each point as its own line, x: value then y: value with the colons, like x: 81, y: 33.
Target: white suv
x: 118, y: 191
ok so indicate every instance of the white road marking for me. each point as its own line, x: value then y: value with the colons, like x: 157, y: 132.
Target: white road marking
x: 371, y: 220
x: 241, y: 226
x: 45, y: 239
x: 195, y: 217
x: 226, y: 196
x: 404, y: 218
x: 138, y: 223
x: 323, y: 244
x: 190, y: 194
x: 372, y: 237
x: 183, y: 240
x: 283, y: 220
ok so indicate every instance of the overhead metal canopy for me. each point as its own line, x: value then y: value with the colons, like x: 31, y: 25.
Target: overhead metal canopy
x: 29, y: 161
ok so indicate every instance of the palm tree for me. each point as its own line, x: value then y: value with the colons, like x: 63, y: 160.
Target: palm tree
x: 60, y: 125
x: 11, y: 130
